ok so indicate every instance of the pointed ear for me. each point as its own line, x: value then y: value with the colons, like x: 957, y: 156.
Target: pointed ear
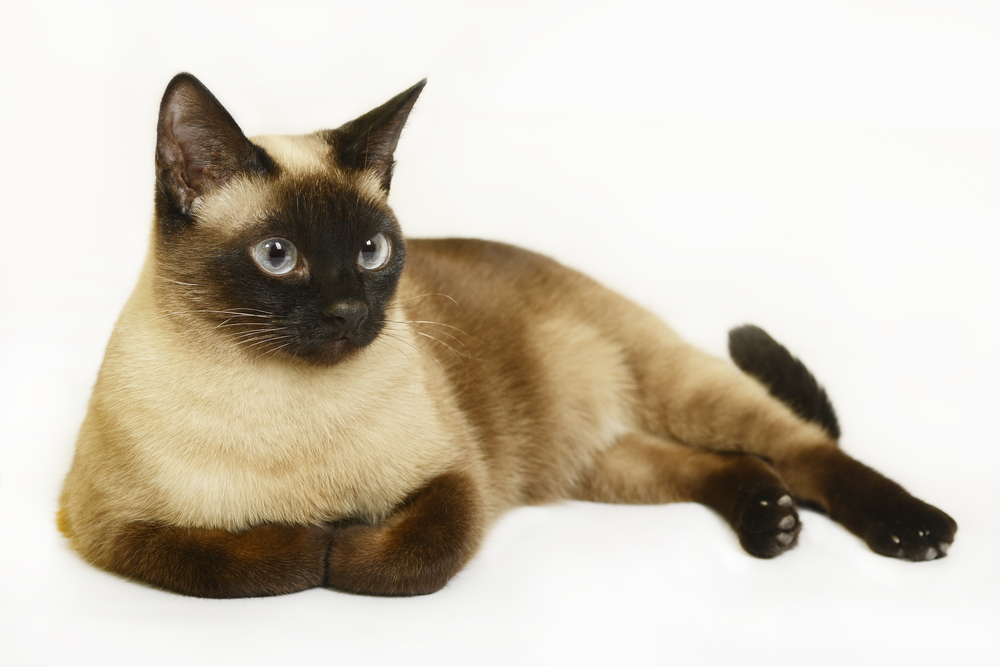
x: 368, y: 142
x: 199, y: 146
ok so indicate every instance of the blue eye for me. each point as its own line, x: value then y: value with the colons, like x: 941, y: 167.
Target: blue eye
x: 276, y: 256
x: 375, y: 252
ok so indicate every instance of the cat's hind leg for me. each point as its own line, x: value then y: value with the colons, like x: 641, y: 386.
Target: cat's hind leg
x: 782, y: 415
x: 744, y: 490
x: 878, y: 510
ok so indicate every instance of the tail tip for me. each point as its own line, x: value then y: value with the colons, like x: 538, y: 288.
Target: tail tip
x: 786, y: 378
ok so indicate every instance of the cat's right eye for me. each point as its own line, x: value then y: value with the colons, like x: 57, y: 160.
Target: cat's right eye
x: 276, y: 256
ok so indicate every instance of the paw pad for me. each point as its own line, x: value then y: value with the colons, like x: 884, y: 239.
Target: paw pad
x: 910, y: 529
x: 769, y: 524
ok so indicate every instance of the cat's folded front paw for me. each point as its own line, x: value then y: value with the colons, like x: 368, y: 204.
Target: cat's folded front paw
x: 769, y: 524
x: 912, y: 530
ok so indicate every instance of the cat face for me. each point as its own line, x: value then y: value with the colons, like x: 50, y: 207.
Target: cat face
x: 285, y: 245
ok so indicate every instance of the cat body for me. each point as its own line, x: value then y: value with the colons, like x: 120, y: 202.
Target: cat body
x: 297, y: 396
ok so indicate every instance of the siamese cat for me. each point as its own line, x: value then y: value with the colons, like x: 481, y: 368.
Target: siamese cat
x: 296, y: 395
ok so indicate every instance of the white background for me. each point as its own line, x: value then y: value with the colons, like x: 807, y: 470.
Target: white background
x: 828, y: 170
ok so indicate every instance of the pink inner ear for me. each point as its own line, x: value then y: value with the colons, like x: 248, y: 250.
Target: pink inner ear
x: 190, y: 150
x: 197, y: 175
x: 199, y: 145
x: 190, y: 155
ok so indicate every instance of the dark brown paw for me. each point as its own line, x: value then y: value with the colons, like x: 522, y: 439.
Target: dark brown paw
x: 911, y: 529
x: 769, y: 524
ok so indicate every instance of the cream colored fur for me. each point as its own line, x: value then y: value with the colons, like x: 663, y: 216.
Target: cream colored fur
x: 187, y: 428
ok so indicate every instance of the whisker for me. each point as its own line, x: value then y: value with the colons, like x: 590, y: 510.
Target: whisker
x: 266, y: 341
x: 398, y: 339
x: 441, y: 342
x: 364, y: 351
x: 171, y: 280
x: 258, y: 332
x: 272, y: 351
x: 453, y: 337
x: 230, y: 323
x: 391, y: 334
x: 231, y: 313
x: 440, y: 324
x: 234, y: 313
x: 257, y: 310
x: 468, y: 352
x: 384, y: 361
x: 420, y: 296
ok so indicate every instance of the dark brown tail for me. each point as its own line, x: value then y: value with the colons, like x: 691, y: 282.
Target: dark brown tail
x: 786, y: 378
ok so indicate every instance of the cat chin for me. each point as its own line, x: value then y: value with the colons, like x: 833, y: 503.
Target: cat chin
x: 330, y: 354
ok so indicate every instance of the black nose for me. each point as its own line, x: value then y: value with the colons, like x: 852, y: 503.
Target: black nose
x: 348, y: 315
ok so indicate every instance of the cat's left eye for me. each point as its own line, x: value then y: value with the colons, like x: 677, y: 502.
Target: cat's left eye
x: 276, y: 256
x: 375, y: 252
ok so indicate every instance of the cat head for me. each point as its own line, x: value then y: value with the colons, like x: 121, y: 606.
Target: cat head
x: 285, y: 245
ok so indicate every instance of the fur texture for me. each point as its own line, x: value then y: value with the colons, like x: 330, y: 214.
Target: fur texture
x: 295, y: 395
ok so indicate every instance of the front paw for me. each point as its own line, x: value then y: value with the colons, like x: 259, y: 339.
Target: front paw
x: 769, y: 523
x: 910, y: 529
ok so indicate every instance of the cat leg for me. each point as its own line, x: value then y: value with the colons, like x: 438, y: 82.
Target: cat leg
x: 783, y: 416
x: 881, y: 512
x: 417, y: 549
x: 696, y: 399
x: 272, y: 559
x: 878, y: 510
x: 746, y: 491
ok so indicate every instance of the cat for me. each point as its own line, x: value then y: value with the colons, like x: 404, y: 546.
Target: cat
x: 295, y: 395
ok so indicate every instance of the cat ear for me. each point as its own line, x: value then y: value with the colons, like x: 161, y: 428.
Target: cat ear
x: 198, y: 145
x: 368, y: 142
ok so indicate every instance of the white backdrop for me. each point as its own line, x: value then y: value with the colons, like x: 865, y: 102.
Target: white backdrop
x: 828, y: 170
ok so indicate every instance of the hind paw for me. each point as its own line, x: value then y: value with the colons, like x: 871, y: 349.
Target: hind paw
x: 911, y: 530
x: 769, y: 524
